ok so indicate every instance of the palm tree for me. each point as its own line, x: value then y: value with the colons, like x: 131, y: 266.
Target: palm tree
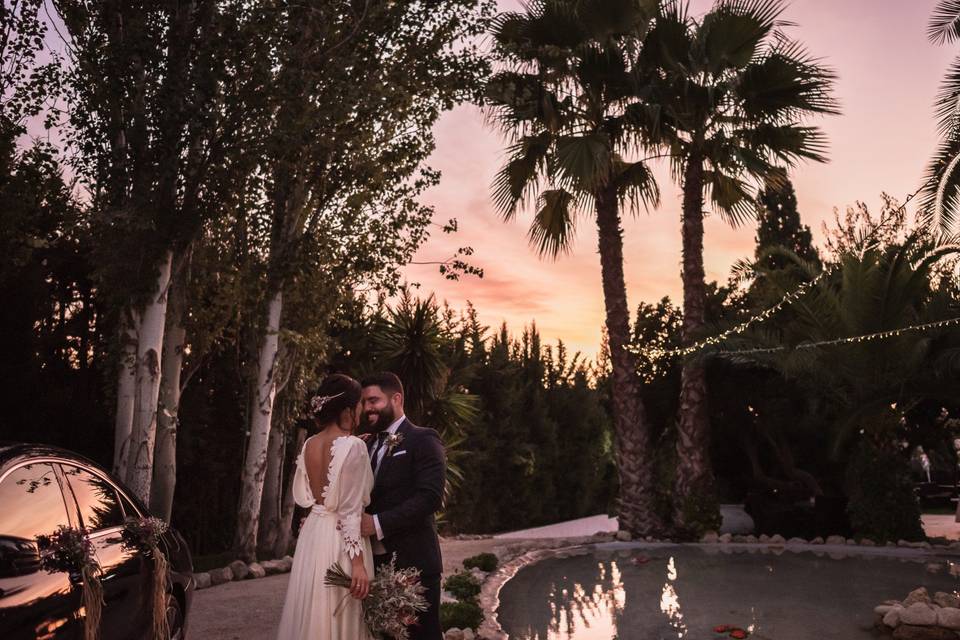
x: 410, y: 341
x: 564, y: 98
x: 941, y: 192
x: 729, y: 92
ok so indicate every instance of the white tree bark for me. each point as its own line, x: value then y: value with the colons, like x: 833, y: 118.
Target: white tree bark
x: 255, y: 465
x: 126, y: 390
x: 285, y: 528
x: 149, y: 349
x: 168, y: 409
x: 272, y: 488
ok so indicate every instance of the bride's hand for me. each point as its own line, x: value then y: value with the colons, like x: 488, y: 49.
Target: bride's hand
x: 360, y: 584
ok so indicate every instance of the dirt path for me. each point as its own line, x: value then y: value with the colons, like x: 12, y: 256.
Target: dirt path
x: 250, y: 610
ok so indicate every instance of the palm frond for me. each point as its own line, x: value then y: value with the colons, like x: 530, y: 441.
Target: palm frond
x: 668, y: 43
x: 583, y: 162
x: 731, y: 197
x: 636, y: 185
x: 554, y: 226
x: 555, y: 24
x: 604, y: 69
x: 521, y: 101
x: 947, y: 102
x: 611, y: 18
x: 731, y: 34
x: 944, y: 23
x: 785, y: 143
x: 940, y: 196
x: 786, y: 83
x: 518, y: 178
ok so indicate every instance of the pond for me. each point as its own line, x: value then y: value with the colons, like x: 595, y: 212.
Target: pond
x: 671, y: 592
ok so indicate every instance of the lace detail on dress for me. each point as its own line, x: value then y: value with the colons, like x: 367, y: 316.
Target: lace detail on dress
x: 349, y: 528
x: 330, y: 469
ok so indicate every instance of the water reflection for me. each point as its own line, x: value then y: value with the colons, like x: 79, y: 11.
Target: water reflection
x: 670, y: 602
x: 678, y: 593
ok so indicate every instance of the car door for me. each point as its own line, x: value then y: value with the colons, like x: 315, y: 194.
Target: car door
x: 34, y: 602
x: 126, y: 574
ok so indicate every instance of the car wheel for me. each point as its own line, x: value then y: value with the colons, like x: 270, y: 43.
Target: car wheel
x: 175, y: 618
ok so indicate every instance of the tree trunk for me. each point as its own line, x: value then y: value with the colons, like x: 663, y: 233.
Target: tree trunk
x: 255, y: 465
x: 637, y: 512
x: 272, y: 488
x: 165, y: 449
x: 694, y: 476
x: 285, y: 530
x: 126, y: 390
x: 149, y: 348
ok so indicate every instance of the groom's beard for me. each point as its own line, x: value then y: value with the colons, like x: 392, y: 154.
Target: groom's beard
x: 377, y: 421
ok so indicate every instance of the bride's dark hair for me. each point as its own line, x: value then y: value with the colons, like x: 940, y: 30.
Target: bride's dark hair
x: 336, y: 393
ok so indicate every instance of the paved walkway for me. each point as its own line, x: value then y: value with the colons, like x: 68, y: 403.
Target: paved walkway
x: 941, y: 527
x: 250, y: 610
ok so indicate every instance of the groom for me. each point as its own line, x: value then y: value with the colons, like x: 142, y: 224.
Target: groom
x: 409, y: 466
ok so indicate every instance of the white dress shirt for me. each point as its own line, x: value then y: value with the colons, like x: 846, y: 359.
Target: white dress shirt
x: 391, y: 430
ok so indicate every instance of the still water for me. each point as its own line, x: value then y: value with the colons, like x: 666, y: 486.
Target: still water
x: 671, y: 592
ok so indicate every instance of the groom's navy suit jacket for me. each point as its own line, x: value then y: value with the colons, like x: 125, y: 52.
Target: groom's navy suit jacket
x: 407, y: 493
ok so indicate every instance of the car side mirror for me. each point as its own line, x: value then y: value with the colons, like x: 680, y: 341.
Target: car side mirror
x: 18, y: 557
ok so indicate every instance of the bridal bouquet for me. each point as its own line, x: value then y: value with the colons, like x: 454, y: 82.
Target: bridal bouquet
x: 396, y: 597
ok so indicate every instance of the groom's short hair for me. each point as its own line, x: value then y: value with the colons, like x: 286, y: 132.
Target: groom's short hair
x: 389, y: 382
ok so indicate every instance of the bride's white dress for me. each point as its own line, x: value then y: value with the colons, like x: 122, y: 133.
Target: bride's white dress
x: 330, y: 534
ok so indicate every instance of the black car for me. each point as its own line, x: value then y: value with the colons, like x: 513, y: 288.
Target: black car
x: 42, y: 488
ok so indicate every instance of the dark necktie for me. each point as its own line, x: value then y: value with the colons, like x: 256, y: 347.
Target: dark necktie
x: 381, y: 438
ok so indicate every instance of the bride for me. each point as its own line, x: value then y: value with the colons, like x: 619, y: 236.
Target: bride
x: 334, y: 479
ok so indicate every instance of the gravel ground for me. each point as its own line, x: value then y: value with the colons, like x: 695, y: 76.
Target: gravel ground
x: 250, y: 610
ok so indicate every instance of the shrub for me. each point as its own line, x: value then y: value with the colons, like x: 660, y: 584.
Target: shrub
x: 460, y: 615
x: 485, y: 562
x: 701, y: 513
x: 462, y: 586
x: 882, y: 505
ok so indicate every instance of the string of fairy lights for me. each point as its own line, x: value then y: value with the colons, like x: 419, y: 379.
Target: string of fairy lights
x: 879, y: 335
x: 654, y: 353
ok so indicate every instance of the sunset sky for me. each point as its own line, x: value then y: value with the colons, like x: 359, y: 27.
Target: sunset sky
x: 888, y: 78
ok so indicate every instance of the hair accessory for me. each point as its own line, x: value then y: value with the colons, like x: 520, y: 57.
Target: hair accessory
x: 317, y: 402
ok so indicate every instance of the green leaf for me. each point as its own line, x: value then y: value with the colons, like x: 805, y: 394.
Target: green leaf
x: 519, y: 176
x: 636, y: 184
x: 731, y: 34
x: 554, y: 226
x: 583, y: 162
x: 731, y: 196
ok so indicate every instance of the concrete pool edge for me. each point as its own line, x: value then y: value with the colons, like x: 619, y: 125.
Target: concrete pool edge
x: 491, y: 629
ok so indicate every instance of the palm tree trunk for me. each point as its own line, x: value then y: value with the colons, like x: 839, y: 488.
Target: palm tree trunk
x: 693, y: 480
x: 255, y: 464
x: 637, y: 512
